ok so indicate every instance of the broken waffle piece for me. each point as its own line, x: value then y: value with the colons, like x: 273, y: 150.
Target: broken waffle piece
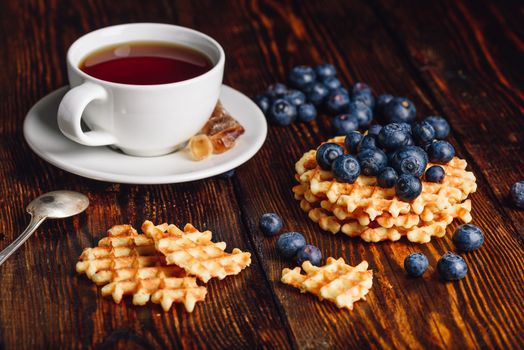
x: 217, y: 136
x: 127, y: 263
x: 194, y: 251
x: 336, y: 281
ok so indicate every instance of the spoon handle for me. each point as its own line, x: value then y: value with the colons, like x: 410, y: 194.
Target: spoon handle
x: 17, y: 243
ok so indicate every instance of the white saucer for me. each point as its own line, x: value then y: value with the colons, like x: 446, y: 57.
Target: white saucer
x: 106, y: 164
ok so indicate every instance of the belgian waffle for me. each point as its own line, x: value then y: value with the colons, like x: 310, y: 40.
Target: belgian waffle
x: 127, y: 263
x: 336, y: 281
x: 194, y: 251
x: 364, y: 209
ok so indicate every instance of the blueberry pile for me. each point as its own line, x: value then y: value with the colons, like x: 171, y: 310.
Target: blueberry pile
x: 318, y: 89
x: 396, y: 153
x: 451, y: 266
x: 291, y: 245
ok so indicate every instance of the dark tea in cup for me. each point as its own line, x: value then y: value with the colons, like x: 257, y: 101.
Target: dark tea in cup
x: 145, y: 63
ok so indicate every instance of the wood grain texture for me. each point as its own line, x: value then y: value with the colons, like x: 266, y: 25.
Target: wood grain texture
x: 456, y: 59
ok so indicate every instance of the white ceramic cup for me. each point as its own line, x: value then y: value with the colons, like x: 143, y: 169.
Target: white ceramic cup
x: 141, y: 120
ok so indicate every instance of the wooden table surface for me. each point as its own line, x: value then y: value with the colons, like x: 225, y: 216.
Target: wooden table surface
x: 462, y: 60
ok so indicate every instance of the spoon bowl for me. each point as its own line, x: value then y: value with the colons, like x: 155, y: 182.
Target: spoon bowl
x: 53, y: 205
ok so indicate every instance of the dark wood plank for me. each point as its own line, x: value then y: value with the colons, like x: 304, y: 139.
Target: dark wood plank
x: 43, y: 303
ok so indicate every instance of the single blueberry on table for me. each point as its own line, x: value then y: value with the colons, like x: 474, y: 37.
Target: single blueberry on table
x: 435, y: 174
x: 409, y: 160
x: 365, y: 97
x: 346, y: 169
x: 309, y: 253
x: 325, y: 71
x: 368, y: 141
x: 306, y: 112
x: 517, y: 194
x: 289, y: 243
x: 372, y: 161
x: 327, y: 153
x: 374, y: 129
x: 452, y: 267
x: 362, y: 112
x: 316, y: 93
x: 332, y: 83
x: 423, y: 133
x: 408, y: 187
x: 301, y: 76
x: 337, y: 101
x: 440, y: 125
x: 282, y: 112
x: 441, y: 152
x: 296, y: 97
x: 270, y: 224
x: 263, y: 102
x: 344, y: 123
x: 468, y: 237
x: 398, y: 110
x: 352, y: 141
x: 416, y: 264
x: 276, y: 90
x: 387, y: 178
x: 392, y: 136
x: 360, y: 87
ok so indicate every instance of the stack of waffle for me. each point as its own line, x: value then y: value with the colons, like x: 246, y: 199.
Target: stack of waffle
x: 363, y: 209
x: 161, y: 265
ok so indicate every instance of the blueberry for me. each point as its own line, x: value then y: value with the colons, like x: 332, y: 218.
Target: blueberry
x: 317, y: 93
x: 270, y: 224
x: 440, y: 125
x: 337, y: 101
x: 374, y: 129
x: 306, y: 112
x: 263, y: 102
x: 372, y: 161
x: 423, y: 133
x: 409, y: 160
x: 346, y: 168
x: 452, y: 267
x: 392, y: 136
x: 325, y: 70
x: 296, y: 97
x: 382, y: 100
x: 435, y: 174
x: 344, y: 123
x: 300, y: 76
x: 366, y: 98
x: 289, y: 243
x: 352, y: 141
x: 362, y: 112
x: 416, y: 264
x: 276, y: 90
x: 398, y: 110
x: 228, y: 174
x: 332, y: 83
x: 441, y: 152
x: 406, y: 127
x: 387, y: 178
x: 408, y: 187
x: 309, y: 253
x: 468, y: 237
x: 517, y: 194
x: 360, y: 87
x: 282, y: 112
x: 368, y: 141
x: 327, y: 153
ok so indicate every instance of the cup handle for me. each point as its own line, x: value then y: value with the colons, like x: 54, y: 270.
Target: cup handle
x: 70, y: 114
